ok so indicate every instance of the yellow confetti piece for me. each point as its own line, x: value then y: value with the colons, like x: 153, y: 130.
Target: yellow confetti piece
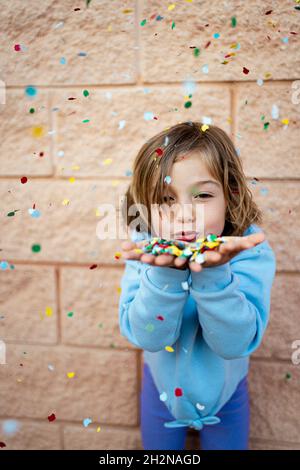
x: 169, y: 349
x: 119, y: 290
x: 98, y: 429
x: 37, y: 131
x: 49, y: 311
x: 138, y: 250
x: 268, y: 75
x: 204, y: 127
x: 229, y: 120
x: 127, y: 11
x: 285, y: 121
x: 118, y: 254
x: 72, y: 179
x: 107, y: 161
x: 171, y: 7
x: 66, y: 202
x: 71, y: 375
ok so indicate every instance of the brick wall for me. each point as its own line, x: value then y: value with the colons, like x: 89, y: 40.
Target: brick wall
x: 58, y: 318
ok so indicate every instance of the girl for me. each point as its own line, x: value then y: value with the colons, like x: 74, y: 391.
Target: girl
x: 197, y: 323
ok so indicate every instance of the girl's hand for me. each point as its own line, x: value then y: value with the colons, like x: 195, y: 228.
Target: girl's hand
x: 222, y: 255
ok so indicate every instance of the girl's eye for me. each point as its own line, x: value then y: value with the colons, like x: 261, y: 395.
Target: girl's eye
x: 169, y: 199
x: 203, y: 195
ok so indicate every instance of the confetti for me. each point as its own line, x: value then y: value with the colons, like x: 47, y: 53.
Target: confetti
x: 10, y: 427
x: 118, y: 255
x: 71, y: 375
x: 70, y: 314
x: 143, y: 22
x: 204, y: 127
x: 200, y: 407
x: 36, y: 248
x: 24, y: 179
x: 187, y: 104
x: 178, y: 392
x: 51, y: 417
x: 245, y: 70
x: 85, y: 93
x: 167, y: 179
x: 159, y: 152
x: 196, y: 52
x: 159, y: 317
x: 30, y: 91
x: 163, y: 396
x: 49, y: 312
x: 169, y: 349
x: 233, y: 21
x: 150, y: 327
x: 205, y: 68
x: 86, y: 422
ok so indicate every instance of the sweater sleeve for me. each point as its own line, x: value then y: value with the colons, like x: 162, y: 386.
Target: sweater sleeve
x: 233, y: 301
x: 151, y: 304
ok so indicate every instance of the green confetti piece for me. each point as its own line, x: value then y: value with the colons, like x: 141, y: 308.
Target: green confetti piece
x: 288, y: 376
x: 36, y: 248
x: 85, y: 93
x: 86, y: 120
x: 196, y: 52
x: 150, y: 327
x: 70, y: 314
x: 32, y: 110
x: 233, y: 22
x: 173, y: 25
x: 143, y: 22
x: 188, y: 104
x: 266, y: 126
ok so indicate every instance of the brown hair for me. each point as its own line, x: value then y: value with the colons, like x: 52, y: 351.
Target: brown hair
x: 156, y: 157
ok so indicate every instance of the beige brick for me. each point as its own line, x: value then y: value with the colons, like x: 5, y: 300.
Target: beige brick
x: 66, y: 233
x: 33, y: 435
x: 274, y: 401
x: 283, y: 326
x: 93, y: 297
x: 89, y: 147
x: 279, y: 201
x: 51, y: 31
x: 27, y: 293
x: 25, y: 137
x: 108, y: 438
x: 272, y: 152
x: 167, y: 53
x: 269, y: 445
x: 103, y: 388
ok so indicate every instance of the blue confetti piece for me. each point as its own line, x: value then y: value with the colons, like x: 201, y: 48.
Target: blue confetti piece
x: 148, y: 116
x: 31, y: 91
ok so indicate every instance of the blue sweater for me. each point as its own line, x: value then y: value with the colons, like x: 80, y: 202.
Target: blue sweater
x: 213, y: 320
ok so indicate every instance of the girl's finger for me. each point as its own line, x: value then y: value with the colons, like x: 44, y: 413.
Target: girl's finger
x: 128, y: 245
x: 147, y: 258
x: 130, y: 255
x: 179, y: 262
x: 164, y: 260
x: 196, y: 267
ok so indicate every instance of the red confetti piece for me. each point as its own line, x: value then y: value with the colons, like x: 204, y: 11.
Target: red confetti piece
x: 41, y: 154
x: 17, y: 47
x: 24, y: 179
x: 159, y: 317
x: 207, y: 44
x: 245, y: 70
x: 159, y: 152
x: 71, y: 98
x: 2, y: 444
x: 51, y: 417
x: 268, y: 12
x: 178, y: 392
x: 94, y: 266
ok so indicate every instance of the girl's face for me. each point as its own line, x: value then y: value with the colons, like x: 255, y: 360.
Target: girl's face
x: 197, y: 199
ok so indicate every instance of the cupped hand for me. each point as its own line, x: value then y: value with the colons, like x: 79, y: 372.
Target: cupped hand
x: 224, y: 253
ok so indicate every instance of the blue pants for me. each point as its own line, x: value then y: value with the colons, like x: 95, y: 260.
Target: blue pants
x: 230, y: 434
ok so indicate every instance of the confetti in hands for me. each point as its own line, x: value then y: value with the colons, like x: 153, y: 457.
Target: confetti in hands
x: 205, y: 252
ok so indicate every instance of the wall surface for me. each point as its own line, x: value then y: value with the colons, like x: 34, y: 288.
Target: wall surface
x: 84, y: 86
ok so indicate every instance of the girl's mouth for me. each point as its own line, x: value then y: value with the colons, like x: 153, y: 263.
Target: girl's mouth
x: 186, y: 236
